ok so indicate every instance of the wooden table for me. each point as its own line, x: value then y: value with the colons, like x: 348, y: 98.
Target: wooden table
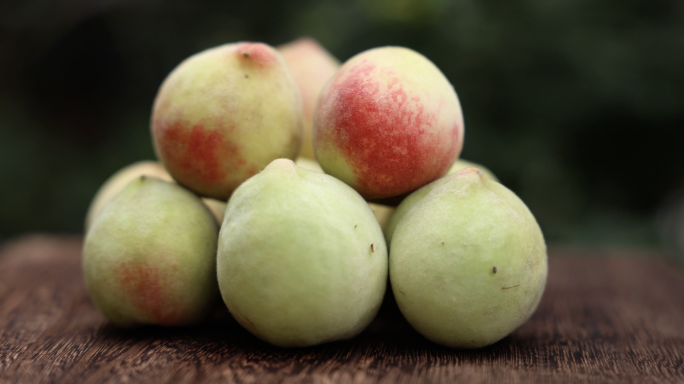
x: 606, y: 318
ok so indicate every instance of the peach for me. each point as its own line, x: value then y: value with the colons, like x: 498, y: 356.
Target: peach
x: 119, y: 180
x: 468, y: 261
x: 407, y: 203
x: 311, y: 66
x: 388, y: 123
x: 224, y: 114
x: 301, y: 259
x: 382, y: 212
x: 150, y: 256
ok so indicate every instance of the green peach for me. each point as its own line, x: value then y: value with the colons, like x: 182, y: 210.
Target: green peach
x: 468, y: 262
x: 383, y: 213
x: 224, y: 114
x: 119, y: 180
x: 150, y: 256
x: 401, y: 210
x: 301, y: 258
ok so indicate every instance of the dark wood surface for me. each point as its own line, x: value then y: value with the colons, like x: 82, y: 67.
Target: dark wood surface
x: 605, y: 319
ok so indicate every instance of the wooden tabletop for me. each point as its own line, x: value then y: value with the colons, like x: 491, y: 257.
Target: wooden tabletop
x: 604, y: 318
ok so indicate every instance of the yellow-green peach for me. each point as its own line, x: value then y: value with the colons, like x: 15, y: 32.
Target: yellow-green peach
x: 119, y: 180
x: 150, y: 256
x: 468, y: 262
x: 401, y: 210
x: 301, y: 258
x: 388, y: 123
x: 383, y: 213
x: 224, y: 114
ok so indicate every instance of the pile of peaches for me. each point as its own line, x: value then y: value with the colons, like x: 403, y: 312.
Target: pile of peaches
x: 293, y: 189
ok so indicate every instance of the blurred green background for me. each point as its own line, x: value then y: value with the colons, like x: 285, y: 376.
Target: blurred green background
x: 577, y: 106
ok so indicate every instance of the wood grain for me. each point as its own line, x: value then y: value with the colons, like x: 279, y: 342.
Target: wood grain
x: 603, y: 319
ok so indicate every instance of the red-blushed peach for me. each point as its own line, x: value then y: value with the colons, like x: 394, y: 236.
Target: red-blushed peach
x: 224, y: 114
x: 150, y: 256
x: 119, y: 180
x: 388, y: 123
x: 311, y: 66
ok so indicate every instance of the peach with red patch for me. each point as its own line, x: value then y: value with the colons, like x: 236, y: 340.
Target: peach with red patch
x: 151, y: 292
x: 224, y: 114
x: 393, y: 120
x: 200, y: 156
x: 150, y: 256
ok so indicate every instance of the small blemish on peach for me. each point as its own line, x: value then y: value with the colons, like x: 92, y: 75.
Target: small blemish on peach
x: 257, y: 54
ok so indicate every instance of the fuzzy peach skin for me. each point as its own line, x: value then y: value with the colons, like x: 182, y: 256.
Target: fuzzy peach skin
x: 301, y: 259
x: 388, y: 123
x: 312, y: 66
x: 150, y: 256
x: 416, y: 196
x: 119, y: 180
x: 468, y: 261
x: 382, y: 213
x: 224, y: 114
